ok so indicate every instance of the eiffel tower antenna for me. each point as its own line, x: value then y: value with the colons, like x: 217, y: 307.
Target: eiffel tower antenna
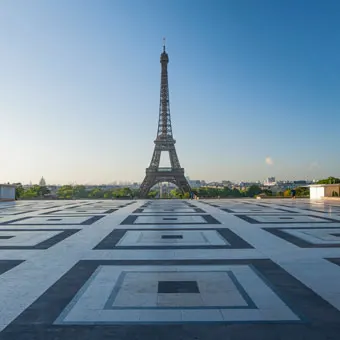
x: 164, y: 142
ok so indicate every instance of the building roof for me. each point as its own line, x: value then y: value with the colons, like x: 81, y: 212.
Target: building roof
x: 8, y: 185
x: 324, y: 185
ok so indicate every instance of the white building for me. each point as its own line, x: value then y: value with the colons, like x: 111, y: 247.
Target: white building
x: 320, y: 191
x: 7, y: 192
x: 269, y: 181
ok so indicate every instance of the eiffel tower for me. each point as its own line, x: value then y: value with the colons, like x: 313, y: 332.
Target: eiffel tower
x: 164, y: 142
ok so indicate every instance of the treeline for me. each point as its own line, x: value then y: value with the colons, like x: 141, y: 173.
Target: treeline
x: 73, y: 192
x: 252, y: 191
x: 35, y: 191
x: 79, y: 191
x: 329, y: 180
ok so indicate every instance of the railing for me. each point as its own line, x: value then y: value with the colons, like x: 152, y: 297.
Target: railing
x: 180, y: 170
x: 165, y: 169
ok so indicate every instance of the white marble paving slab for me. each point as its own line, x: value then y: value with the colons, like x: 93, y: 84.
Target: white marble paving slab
x: 166, y: 219
x: 316, y: 236
x: 156, y: 238
x: 25, y: 238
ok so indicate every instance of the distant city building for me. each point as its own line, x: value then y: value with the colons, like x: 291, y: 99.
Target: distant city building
x: 300, y: 182
x: 42, y: 182
x: 227, y: 184
x: 320, y: 191
x: 270, y: 181
x: 195, y: 183
x: 7, y: 192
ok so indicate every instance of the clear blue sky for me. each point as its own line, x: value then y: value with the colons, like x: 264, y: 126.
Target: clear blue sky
x: 249, y: 81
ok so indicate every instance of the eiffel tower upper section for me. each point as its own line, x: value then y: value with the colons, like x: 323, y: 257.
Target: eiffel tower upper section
x: 164, y: 132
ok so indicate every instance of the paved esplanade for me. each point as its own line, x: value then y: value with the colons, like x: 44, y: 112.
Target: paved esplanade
x: 170, y: 269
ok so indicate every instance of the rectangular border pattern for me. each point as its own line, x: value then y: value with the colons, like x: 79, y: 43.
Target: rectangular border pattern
x: 248, y: 219
x: 296, y: 240
x: 141, y: 211
x: 89, y: 221
x: 132, y: 218
x: 109, y: 211
x: 110, y: 241
x: 47, y: 243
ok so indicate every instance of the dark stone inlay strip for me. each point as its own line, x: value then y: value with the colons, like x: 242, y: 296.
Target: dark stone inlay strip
x: 51, y: 212
x: 166, y: 212
x: 89, y: 221
x: 251, y: 220
x: 250, y: 211
x: 335, y: 260
x: 178, y: 287
x: 279, y: 232
x: 18, y: 213
x: 45, y: 244
x: 172, y: 237
x: 6, y: 265
x: 110, y: 211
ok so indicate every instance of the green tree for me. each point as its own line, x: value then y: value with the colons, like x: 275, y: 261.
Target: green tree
x: 19, y: 190
x: 329, y: 180
x: 176, y: 193
x: 65, y: 192
x: 29, y: 193
x: 108, y: 194
x: 253, y: 190
x: 226, y: 192
x: 33, y: 191
x: 287, y: 193
x: 125, y: 192
x: 267, y: 192
x: 96, y: 193
x: 302, y: 191
x: 237, y: 193
x: 43, y: 190
x: 152, y: 194
x: 79, y: 191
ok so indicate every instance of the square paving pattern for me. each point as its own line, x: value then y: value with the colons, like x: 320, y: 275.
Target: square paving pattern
x: 170, y: 269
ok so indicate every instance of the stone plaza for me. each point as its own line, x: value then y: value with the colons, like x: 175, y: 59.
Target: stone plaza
x: 170, y: 269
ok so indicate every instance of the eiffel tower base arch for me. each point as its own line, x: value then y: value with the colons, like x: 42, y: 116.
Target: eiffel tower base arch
x: 153, y: 177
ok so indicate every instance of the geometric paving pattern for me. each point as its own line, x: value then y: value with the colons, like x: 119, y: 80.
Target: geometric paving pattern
x: 170, y: 219
x: 173, y: 239
x: 285, y: 219
x: 160, y: 294
x: 32, y: 239
x: 80, y: 211
x: 170, y: 269
x: 309, y: 237
x: 52, y: 220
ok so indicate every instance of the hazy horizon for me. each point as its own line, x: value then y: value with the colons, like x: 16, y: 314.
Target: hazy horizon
x: 254, y: 88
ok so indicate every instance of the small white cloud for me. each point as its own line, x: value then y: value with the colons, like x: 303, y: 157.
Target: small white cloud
x: 314, y: 165
x: 269, y: 161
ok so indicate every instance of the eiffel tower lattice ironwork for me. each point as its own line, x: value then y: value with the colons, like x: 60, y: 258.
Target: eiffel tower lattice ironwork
x: 164, y: 142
